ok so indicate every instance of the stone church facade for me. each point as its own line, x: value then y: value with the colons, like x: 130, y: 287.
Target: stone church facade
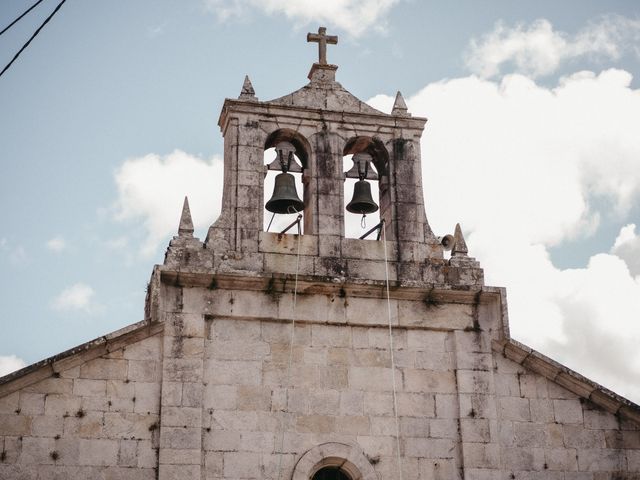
x: 267, y: 355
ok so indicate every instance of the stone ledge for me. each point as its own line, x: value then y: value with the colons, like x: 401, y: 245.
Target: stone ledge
x: 567, y: 378
x: 311, y: 284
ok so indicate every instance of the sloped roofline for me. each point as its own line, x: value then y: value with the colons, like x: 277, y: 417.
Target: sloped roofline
x: 78, y: 355
x: 583, y: 387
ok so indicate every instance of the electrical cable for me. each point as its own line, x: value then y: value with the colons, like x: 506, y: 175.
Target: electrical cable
x: 46, y: 20
x: 20, y: 17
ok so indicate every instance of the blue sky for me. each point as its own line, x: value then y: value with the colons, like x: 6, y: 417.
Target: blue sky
x: 110, y: 117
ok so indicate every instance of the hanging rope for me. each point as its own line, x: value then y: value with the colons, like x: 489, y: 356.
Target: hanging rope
x: 391, y: 350
x: 291, y: 342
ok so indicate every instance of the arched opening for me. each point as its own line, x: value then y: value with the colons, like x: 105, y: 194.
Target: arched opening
x: 331, y: 473
x: 357, y: 224
x: 285, y: 158
x: 345, y: 462
x: 365, y: 161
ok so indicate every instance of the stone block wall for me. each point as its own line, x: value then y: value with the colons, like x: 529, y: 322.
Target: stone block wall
x: 340, y: 381
x: 98, y: 419
x: 341, y: 391
x: 549, y: 432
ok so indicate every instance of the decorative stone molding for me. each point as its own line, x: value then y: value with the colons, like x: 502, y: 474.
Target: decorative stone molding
x: 349, y: 458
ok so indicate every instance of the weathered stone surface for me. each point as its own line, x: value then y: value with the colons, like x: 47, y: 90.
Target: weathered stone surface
x: 266, y: 356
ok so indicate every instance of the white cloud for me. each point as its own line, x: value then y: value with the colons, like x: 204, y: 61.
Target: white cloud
x: 353, y: 16
x: 151, y: 190
x: 627, y: 247
x: 10, y: 363
x: 600, y: 305
x: 56, y: 244
x: 519, y: 165
x: 538, y: 49
x: 78, y: 296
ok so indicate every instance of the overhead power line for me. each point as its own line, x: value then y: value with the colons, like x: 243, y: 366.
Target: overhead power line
x: 35, y: 34
x: 20, y: 17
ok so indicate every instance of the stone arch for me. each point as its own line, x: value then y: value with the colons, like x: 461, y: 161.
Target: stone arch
x: 350, y: 458
x: 301, y: 144
x: 374, y: 147
x: 284, y: 139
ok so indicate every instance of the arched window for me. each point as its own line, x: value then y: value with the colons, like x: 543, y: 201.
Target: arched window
x: 284, y: 169
x: 365, y: 162
x: 357, y: 168
x: 331, y: 473
x: 285, y: 158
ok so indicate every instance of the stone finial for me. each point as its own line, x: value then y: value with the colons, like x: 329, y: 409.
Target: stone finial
x: 459, y: 245
x: 186, y: 224
x: 247, y: 92
x: 400, y: 107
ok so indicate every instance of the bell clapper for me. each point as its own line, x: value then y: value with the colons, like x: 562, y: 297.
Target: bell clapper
x: 363, y: 221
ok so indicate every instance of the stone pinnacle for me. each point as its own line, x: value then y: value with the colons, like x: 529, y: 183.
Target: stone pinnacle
x: 186, y: 224
x: 399, y: 106
x: 459, y: 245
x: 247, y: 92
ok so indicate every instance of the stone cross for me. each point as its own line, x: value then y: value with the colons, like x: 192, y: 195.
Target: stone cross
x: 322, y: 39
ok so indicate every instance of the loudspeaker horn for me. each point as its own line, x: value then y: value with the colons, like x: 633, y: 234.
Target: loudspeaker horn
x: 447, y: 242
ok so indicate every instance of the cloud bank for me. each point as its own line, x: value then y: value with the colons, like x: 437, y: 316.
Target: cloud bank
x: 151, y: 190
x: 353, y: 16
x: 537, y: 49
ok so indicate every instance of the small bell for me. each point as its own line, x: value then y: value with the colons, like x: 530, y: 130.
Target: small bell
x: 362, y: 201
x: 285, y: 197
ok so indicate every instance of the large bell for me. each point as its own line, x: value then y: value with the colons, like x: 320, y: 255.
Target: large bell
x: 362, y: 201
x: 285, y: 197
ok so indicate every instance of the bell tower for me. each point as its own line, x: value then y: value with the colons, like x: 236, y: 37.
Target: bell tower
x: 295, y: 351
x: 312, y: 129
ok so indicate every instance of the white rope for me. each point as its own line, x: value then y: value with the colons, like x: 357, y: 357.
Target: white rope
x: 291, y: 341
x: 391, y: 350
